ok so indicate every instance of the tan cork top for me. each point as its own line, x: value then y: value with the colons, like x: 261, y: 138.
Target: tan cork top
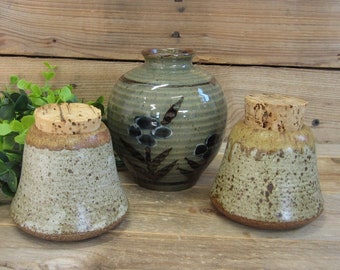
x: 67, y: 118
x: 274, y: 112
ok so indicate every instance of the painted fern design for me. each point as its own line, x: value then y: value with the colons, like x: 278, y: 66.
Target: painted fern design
x: 151, y: 169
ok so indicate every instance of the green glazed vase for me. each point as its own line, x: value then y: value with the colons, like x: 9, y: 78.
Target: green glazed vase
x: 167, y: 120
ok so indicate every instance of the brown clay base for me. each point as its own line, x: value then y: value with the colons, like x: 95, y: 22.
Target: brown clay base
x: 262, y: 224
x: 72, y: 236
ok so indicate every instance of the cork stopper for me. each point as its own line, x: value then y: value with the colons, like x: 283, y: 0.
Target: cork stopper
x: 274, y: 112
x: 67, y: 118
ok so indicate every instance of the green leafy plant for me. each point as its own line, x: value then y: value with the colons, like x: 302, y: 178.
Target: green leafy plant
x: 17, y: 104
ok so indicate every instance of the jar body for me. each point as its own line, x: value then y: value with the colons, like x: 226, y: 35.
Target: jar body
x: 269, y: 179
x: 69, y: 188
x: 167, y: 120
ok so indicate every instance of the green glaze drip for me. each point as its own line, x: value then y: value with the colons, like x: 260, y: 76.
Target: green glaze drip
x: 266, y: 142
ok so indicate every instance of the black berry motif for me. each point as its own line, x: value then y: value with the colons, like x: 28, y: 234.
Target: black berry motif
x: 203, y: 152
x: 147, y: 130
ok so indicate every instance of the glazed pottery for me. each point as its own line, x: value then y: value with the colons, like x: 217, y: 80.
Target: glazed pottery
x: 167, y: 120
x: 268, y: 177
x: 69, y: 187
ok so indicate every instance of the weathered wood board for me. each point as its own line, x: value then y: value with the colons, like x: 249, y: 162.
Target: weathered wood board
x: 282, y: 33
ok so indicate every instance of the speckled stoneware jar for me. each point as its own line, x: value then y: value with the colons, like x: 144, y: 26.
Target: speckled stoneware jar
x: 167, y: 120
x: 268, y: 177
x: 69, y: 187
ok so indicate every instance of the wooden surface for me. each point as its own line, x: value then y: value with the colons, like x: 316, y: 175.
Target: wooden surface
x: 94, y: 78
x: 280, y: 33
x: 182, y: 230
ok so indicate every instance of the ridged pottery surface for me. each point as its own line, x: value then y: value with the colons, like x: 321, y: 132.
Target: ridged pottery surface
x: 269, y: 179
x: 69, y: 187
x: 167, y: 120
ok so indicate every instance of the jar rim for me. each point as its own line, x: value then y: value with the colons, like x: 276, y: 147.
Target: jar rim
x: 167, y: 52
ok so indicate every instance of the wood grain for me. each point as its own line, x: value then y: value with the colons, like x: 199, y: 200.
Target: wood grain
x: 94, y: 78
x: 182, y: 230
x: 283, y: 33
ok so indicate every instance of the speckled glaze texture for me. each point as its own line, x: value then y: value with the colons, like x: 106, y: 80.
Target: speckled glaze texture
x: 167, y: 120
x: 268, y: 179
x: 69, y: 188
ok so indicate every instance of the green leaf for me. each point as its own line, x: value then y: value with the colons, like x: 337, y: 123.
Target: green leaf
x: 16, y: 126
x: 27, y: 121
x: 100, y: 99
x: 3, y: 157
x: 14, y: 79
x: 3, y: 169
x: 5, y: 129
x: 100, y: 106
x: 45, y: 88
x: 50, y: 96
x: 20, y: 139
x: 48, y: 75
x: 23, y: 84
x: 15, y: 157
x: 7, y: 112
x: 8, y: 143
x: 12, y: 181
x: 36, y: 90
x: 13, y: 97
x: 5, y: 189
x: 38, y: 101
x: 21, y: 102
x: 65, y: 94
x: 49, y: 66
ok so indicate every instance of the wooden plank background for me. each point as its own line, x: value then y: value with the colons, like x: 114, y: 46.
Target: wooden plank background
x: 290, y: 47
x: 289, y: 33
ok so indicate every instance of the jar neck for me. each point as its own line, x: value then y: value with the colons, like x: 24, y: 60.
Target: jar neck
x: 168, y: 59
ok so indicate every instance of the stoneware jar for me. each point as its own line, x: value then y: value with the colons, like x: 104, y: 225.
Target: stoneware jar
x: 268, y: 177
x: 167, y: 119
x: 69, y: 187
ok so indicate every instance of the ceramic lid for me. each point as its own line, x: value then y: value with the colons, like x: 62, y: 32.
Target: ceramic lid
x: 67, y: 118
